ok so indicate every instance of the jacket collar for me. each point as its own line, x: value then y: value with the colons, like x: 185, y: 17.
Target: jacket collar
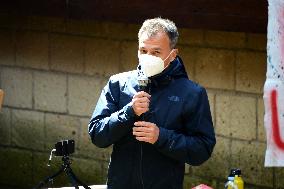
x: 175, y: 70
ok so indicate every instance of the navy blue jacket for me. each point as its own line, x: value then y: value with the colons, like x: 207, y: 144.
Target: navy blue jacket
x: 179, y: 107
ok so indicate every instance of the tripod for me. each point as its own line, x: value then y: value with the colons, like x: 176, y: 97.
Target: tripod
x: 67, y: 169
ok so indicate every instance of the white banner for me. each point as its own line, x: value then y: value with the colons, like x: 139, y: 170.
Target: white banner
x: 274, y: 85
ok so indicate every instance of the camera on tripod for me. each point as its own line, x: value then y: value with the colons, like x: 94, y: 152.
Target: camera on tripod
x: 64, y: 147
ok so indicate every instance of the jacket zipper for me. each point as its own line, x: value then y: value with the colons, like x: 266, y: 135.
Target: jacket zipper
x: 141, y: 146
x: 141, y: 156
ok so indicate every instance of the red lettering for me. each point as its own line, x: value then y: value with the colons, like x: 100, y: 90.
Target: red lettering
x: 275, y: 121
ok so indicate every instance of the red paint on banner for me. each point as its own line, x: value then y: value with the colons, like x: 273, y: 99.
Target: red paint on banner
x: 275, y: 121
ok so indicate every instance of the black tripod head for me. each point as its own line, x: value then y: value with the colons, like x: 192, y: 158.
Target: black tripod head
x: 64, y: 147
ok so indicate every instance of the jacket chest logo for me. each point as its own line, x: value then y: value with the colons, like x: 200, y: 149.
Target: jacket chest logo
x: 174, y: 98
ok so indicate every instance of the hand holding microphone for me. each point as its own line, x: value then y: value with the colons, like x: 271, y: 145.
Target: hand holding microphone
x: 140, y: 102
x: 144, y: 131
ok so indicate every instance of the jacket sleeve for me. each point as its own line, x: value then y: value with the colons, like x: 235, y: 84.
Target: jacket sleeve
x: 195, y: 145
x: 108, y: 123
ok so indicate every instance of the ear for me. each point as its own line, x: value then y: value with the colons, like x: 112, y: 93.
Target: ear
x: 174, y: 54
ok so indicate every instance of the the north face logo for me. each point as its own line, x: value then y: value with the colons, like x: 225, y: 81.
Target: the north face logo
x: 174, y: 98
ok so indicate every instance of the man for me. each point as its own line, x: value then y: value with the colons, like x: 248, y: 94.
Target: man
x: 153, y: 132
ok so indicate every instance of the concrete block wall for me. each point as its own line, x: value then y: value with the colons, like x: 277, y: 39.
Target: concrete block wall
x: 52, y: 71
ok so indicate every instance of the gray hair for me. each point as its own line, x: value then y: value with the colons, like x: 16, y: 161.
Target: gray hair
x: 152, y: 26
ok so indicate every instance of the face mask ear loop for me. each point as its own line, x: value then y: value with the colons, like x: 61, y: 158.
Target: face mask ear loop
x: 168, y: 55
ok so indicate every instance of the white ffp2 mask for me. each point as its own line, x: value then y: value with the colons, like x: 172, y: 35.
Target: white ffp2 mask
x: 151, y: 65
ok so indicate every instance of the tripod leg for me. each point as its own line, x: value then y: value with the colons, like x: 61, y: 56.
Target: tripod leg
x: 68, y: 171
x: 48, y: 179
x: 77, y: 180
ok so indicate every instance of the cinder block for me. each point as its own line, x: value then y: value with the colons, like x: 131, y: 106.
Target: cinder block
x: 17, y: 84
x: 50, y: 91
x: 50, y: 24
x: 114, y: 30
x: 279, y: 175
x: 105, y: 168
x: 67, y: 53
x: 188, y: 56
x: 85, y: 27
x: 128, y: 56
x: 28, y: 129
x: 102, y: 57
x: 83, y: 93
x: 186, y: 169
x: 246, y: 64
x: 7, y: 53
x: 225, y: 39
x: 118, y: 31
x: 110, y: 30
x: 5, y: 126
x: 90, y: 171
x: 60, y: 127
x: 8, y: 20
x: 256, y: 41
x: 32, y: 49
x: 87, y: 148
x: 104, y: 81
x: 215, y: 68
x: 249, y: 157
x: 21, y: 23
x: 247, y: 186
x: 132, y: 32
x: 260, y: 119
x: 191, y: 37
x: 211, y: 98
x: 16, y: 167
x: 218, y: 164
x: 236, y: 116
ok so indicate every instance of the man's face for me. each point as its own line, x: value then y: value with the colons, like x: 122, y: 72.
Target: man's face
x: 157, y: 45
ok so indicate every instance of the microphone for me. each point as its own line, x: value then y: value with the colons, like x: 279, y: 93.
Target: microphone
x: 143, y: 84
x: 143, y: 80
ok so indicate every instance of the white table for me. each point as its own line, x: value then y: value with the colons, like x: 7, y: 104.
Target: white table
x: 81, y: 187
